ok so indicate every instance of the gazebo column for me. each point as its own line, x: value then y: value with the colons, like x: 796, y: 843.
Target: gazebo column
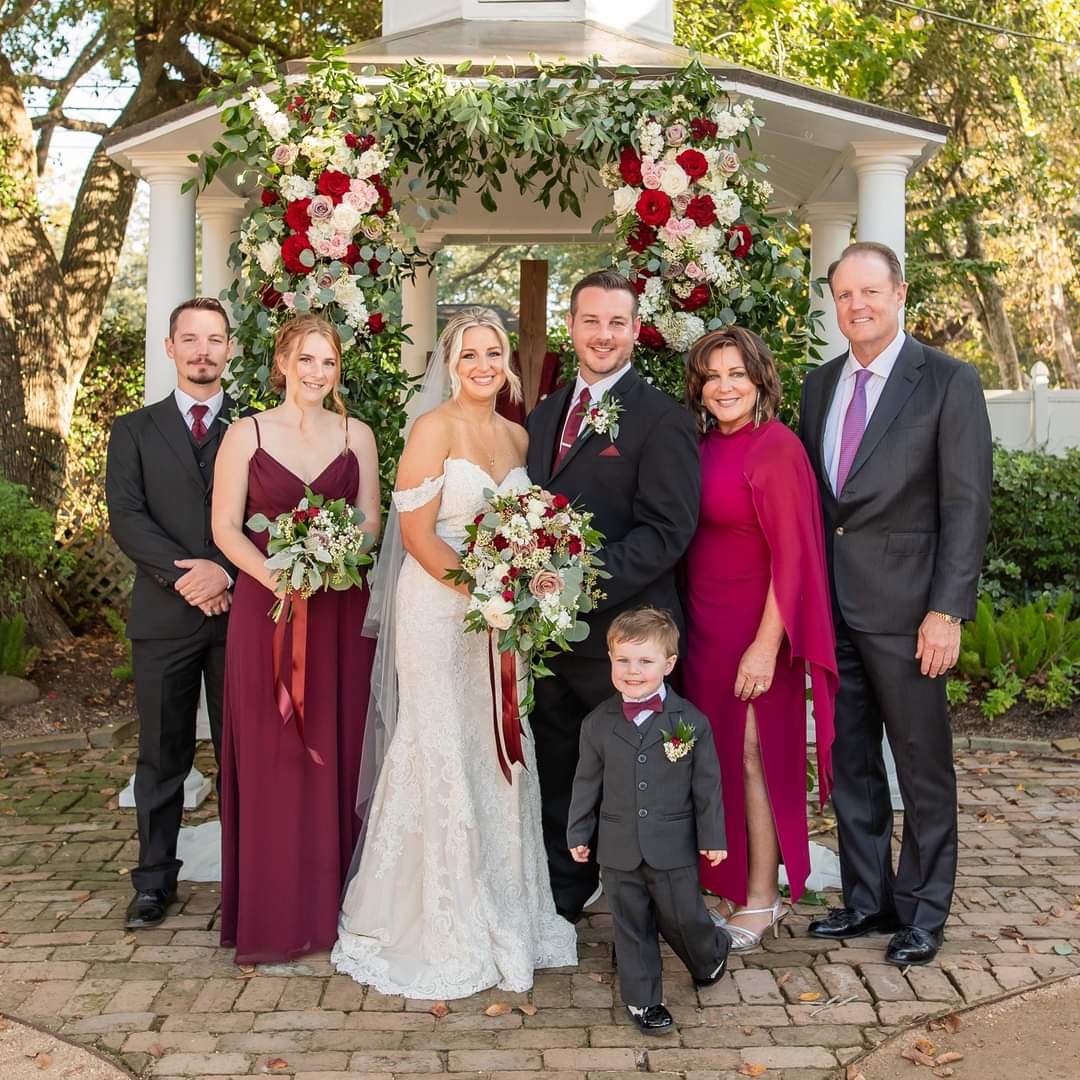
x: 221, y: 217
x: 419, y: 298
x: 170, y: 277
x: 830, y: 226
x: 881, y: 169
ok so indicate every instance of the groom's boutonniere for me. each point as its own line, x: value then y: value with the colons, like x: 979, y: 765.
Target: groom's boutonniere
x: 681, y: 743
x: 603, y: 416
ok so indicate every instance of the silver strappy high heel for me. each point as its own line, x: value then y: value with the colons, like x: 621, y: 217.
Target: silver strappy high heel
x: 743, y: 940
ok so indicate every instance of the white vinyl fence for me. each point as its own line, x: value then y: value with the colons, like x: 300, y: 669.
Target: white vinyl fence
x: 1037, y: 418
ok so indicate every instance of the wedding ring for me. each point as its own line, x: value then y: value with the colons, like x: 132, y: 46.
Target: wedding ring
x: 759, y: 688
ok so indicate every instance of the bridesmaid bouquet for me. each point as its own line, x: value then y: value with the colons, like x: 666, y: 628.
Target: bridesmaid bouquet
x: 316, y: 545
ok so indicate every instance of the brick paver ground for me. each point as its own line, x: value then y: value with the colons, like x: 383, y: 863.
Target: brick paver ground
x: 169, y: 1002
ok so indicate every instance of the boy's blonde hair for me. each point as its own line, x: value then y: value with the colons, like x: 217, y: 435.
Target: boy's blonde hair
x: 645, y: 624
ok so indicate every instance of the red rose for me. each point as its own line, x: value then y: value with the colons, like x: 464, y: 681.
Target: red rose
x: 296, y: 215
x: 352, y: 255
x: 654, y: 208
x: 638, y: 281
x: 694, y: 163
x: 270, y: 297
x: 351, y: 141
x: 366, y: 143
x: 574, y: 547
x: 290, y: 253
x: 476, y: 520
x: 699, y: 297
x: 641, y: 237
x: 376, y: 323
x: 514, y: 572
x: 334, y: 184
x: 701, y: 210
x: 650, y: 337
x: 560, y: 502
x: 701, y: 129
x: 500, y: 543
x: 740, y: 248
x: 630, y: 166
x: 268, y: 197
x: 508, y: 594
x: 373, y: 267
x: 385, y: 201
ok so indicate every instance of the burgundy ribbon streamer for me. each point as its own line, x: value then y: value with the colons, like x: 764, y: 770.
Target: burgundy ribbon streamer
x: 510, y: 737
x: 290, y: 696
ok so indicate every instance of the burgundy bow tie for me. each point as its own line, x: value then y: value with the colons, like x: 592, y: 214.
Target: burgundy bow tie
x: 633, y: 709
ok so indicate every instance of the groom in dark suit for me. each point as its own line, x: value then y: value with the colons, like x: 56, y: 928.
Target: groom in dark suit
x: 900, y: 439
x: 159, y: 480
x: 643, y: 490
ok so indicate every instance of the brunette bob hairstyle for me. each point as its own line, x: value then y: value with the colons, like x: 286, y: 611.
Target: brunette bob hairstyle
x: 756, y: 357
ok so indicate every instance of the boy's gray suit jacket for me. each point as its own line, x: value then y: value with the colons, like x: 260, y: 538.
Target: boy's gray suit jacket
x: 653, y: 810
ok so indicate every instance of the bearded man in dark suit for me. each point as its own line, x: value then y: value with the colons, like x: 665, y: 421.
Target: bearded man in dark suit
x: 159, y: 482
x: 643, y: 489
x: 899, y: 437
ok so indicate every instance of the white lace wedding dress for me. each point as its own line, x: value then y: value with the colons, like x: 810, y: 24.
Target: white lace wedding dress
x: 451, y: 895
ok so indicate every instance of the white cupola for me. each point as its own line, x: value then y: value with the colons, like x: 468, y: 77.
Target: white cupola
x: 652, y: 20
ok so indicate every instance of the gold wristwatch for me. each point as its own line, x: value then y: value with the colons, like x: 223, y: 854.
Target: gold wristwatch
x: 952, y: 620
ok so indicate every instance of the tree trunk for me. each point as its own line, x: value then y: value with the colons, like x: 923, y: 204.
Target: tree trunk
x: 986, y: 295
x: 1060, y: 331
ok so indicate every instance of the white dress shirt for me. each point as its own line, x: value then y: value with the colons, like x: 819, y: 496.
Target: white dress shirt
x: 596, y: 391
x: 643, y: 716
x: 880, y: 368
x: 184, y: 401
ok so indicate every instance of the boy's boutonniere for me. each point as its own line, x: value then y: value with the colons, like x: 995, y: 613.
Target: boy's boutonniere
x: 603, y: 416
x: 681, y: 743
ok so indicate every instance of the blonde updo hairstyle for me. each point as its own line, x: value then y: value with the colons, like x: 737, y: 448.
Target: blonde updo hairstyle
x: 288, y: 342
x: 449, y: 346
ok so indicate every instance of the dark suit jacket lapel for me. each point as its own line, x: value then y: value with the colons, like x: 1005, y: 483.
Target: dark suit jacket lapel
x: 174, y: 430
x: 218, y: 429
x: 664, y: 720
x: 620, y: 725
x: 619, y: 392
x: 904, y: 377
x: 551, y: 429
x: 833, y: 370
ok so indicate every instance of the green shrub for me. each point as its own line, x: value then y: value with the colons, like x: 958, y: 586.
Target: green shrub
x: 14, y: 659
x: 1034, y: 526
x: 125, y: 672
x: 957, y: 691
x: 1027, y: 639
x: 27, y: 542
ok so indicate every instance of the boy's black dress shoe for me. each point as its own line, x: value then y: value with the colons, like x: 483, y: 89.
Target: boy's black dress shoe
x: 652, y: 1019
x: 148, y: 908
x: 845, y: 922
x: 912, y: 945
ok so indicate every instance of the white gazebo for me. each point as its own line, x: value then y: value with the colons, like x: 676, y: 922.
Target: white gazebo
x: 840, y: 164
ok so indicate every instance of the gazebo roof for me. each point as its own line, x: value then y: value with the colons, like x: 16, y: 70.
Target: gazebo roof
x: 807, y: 139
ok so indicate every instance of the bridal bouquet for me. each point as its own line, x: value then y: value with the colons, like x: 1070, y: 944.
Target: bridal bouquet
x: 530, y: 562
x: 316, y: 545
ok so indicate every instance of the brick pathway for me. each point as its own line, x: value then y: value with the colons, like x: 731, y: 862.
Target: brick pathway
x: 170, y: 1003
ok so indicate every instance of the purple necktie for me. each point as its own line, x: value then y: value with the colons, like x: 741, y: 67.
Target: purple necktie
x: 854, y: 426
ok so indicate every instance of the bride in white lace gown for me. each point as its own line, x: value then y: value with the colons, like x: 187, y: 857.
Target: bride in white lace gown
x: 451, y: 895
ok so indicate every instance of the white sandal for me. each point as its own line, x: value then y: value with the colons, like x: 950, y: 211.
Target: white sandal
x: 743, y: 940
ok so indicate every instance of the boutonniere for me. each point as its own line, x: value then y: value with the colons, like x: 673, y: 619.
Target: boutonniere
x: 603, y: 416
x: 681, y: 743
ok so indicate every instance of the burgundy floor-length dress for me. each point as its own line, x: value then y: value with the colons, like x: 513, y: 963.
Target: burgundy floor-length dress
x: 289, y: 825
x: 760, y: 521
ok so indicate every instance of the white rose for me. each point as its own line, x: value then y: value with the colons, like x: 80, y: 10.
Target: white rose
x: 498, y: 612
x: 267, y: 254
x: 345, y: 218
x: 277, y: 126
x: 625, y: 199
x: 728, y: 206
x: 674, y: 181
x: 371, y: 162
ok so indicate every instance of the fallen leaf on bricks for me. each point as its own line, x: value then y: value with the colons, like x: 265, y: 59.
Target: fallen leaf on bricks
x: 948, y: 1058
x: 43, y: 1060
x: 811, y: 995
x: 985, y: 935
x: 925, y: 1046
x: 950, y: 1023
x: 529, y: 1010
x: 854, y: 1073
x: 277, y: 1064
x: 752, y: 1068
x: 156, y: 1050
x: 786, y: 977
x: 748, y: 1031
x: 942, y: 1070
x: 916, y: 1057
x: 439, y: 1010
x: 596, y: 977
x: 500, y: 1008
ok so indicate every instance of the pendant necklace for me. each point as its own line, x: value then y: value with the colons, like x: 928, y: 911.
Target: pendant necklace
x: 476, y: 428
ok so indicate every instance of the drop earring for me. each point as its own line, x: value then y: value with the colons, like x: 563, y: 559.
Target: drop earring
x: 757, y: 410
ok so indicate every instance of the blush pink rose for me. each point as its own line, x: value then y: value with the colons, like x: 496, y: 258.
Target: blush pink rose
x: 545, y: 583
x: 652, y: 174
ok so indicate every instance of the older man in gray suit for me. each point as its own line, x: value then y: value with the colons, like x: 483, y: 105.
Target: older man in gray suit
x: 899, y: 437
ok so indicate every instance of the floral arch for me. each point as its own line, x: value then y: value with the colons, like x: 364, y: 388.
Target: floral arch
x: 325, y: 150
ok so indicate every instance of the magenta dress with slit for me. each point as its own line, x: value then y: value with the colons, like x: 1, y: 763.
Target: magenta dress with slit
x: 760, y: 521
x: 288, y: 824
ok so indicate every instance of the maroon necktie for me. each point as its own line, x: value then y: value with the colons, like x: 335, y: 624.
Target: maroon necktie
x: 198, y: 424
x: 573, y: 426
x: 633, y: 709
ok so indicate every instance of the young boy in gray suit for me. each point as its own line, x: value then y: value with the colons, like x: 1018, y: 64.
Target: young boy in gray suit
x: 648, y: 765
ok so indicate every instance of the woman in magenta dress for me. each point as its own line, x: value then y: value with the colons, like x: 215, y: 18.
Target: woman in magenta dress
x: 289, y: 776
x: 759, y: 615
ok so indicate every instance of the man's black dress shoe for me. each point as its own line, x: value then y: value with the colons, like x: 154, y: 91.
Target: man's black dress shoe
x: 148, y: 908
x: 912, y: 945
x: 652, y: 1019
x: 845, y: 922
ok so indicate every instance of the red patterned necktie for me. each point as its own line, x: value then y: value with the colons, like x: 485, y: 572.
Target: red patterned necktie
x: 198, y: 424
x: 633, y: 709
x: 573, y: 427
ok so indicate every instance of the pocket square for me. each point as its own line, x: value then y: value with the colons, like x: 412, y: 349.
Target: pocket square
x: 610, y: 451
